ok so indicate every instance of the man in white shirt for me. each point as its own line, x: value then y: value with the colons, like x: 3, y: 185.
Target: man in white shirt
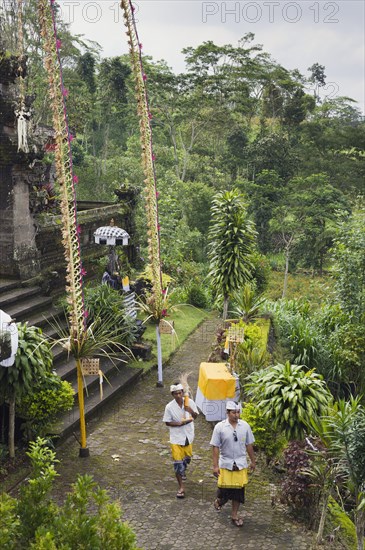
x: 230, y: 440
x: 180, y: 419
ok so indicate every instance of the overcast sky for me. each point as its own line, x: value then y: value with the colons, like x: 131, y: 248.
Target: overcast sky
x: 296, y: 34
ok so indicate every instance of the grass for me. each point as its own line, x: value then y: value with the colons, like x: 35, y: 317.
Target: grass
x: 186, y: 319
x: 300, y: 286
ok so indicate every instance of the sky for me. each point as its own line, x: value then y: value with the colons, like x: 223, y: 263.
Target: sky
x: 295, y: 33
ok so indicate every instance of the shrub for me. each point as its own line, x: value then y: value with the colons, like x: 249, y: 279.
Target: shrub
x: 87, y: 519
x: 41, y: 408
x: 9, y: 522
x: 271, y: 442
x: 296, y: 489
x: 290, y: 397
x: 106, y: 304
x: 196, y: 296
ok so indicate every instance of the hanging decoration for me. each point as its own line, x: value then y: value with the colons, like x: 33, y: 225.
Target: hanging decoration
x: 66, y: 181
x: 21, y: 113
x: 157, y: 300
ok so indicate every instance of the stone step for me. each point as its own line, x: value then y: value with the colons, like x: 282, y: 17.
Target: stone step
x: 8, y: 284
x: 20, y: 311
x: 47, y: 320
x: 28, y: 304
x: 16, y: 295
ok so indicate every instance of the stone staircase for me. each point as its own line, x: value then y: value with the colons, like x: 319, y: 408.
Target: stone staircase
x: 28, y: 303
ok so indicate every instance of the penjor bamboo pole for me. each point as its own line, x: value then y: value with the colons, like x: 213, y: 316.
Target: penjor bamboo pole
x: 84, y: 451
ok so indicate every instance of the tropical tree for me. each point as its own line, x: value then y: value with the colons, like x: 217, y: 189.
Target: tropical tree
x: 349, y: 259
x: 231, y: 244
x: 290, y: 396
x: 343, y: 434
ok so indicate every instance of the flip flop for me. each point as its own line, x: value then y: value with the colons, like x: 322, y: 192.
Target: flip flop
x: 217, y: 505
x: 238, y: 522
x: 180, y: 494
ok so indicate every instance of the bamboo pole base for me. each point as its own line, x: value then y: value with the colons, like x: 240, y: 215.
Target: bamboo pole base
x: 84, y: 452
x: 159, y: 384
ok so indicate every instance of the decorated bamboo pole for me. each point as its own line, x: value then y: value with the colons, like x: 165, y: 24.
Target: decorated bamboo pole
x: 66, y: 181
x: 157, y: 299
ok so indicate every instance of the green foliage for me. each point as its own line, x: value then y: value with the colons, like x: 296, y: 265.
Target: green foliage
x: 231, y: 243
x: 247, y: 303
x: 350, y: 265
x: 105, y: 305
x: 272, y: 443
x: 35, y: 507
x: 33, y: 362
x: 290, y: 397
x: 41, y: 408
x: 196, y: 296
x: 9, y: 522
x: 87, y: 519
x: 342, y: 432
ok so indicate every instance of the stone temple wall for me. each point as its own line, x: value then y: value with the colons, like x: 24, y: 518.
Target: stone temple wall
x: 30, y: 241
x: 18, y: 254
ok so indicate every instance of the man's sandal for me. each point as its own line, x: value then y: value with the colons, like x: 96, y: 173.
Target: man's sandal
x: 217, y: 505
x: 238, y: 522
x: 180, y: 494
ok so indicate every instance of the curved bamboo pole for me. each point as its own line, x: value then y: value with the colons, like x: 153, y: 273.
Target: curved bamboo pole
x: 66, y: 181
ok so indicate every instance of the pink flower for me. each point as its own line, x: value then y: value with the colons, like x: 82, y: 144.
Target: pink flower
x: 86, y: 314
x: 133, y: 8
x: 158, y: 227
x: 71, y: 137
x: 163, y: 313
x: 140, y: 46
x: 157, y: 194
x: 58, y: 43
x: 75, y: 179
x: 78, y: 230
x: 153, y: 156
x: 83, y: 271
x: 65, y: 92
x: 164, y: 291
x: 150, y: 116
x: 144, y: 76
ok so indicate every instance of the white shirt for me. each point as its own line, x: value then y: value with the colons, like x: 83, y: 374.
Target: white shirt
x: 175, y: 413
x: 231, y: 451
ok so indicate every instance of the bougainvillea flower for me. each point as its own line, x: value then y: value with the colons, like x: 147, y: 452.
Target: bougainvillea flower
x: 58, y: 43
x: 65, y: 92
x: 75, y: 179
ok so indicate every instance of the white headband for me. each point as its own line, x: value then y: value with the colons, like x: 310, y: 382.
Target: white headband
x: 232, y: 406
x: 177, y: 387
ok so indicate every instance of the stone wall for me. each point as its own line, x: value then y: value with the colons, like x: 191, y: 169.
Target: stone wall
x: 30, y: 242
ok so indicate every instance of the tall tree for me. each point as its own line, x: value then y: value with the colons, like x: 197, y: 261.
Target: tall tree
x: 231, y: 243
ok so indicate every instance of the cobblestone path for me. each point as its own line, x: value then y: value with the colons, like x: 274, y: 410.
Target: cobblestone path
x: 130, y: 456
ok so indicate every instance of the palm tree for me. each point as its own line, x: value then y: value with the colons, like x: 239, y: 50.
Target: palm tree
x: 231, y: 244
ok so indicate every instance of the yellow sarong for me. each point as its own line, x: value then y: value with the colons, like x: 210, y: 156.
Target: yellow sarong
x: 179, y: 452
x: 229, y: 479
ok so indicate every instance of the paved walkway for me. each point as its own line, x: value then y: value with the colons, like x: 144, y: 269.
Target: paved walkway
x: 129, y: 456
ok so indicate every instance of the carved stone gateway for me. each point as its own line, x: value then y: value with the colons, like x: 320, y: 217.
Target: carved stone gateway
x: 30, y: 236
x: 18, y: 252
